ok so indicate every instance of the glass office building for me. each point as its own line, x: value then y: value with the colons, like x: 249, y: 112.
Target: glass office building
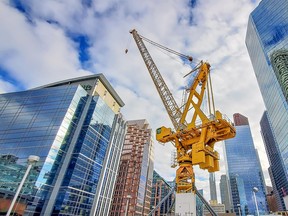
x: 212, y: 185
x: 199, y: 204
x: 225, y: 192
x: 267, y: 44
x: 160, y: 190
x: 244, y: 172
x: 276, y: 170
x: 75, y: 127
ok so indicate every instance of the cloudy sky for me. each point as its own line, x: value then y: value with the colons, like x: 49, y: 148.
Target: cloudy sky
x: 51, y: 40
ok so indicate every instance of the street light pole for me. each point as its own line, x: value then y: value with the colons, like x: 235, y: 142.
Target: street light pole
x: 31, y: 159
x: 127, y: 204
x: 255, y: 190
x: 239, y: 209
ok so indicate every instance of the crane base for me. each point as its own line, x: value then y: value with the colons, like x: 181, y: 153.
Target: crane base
x: 185, y: 204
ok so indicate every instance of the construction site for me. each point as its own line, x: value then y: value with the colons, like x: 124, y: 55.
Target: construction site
x: 179, y: 121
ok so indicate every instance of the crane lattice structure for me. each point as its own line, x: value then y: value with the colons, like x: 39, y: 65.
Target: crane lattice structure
x: 194, y: 138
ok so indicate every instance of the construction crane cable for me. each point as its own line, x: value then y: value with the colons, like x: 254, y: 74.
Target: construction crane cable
x: 212, y: 96
x: 167, y: 49
x: 159, y: 46
x: 174, y: 58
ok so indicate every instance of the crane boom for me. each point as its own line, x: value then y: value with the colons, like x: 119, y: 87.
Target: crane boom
x: 168, y: 100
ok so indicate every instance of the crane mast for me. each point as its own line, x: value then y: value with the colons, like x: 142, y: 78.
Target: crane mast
x: 194, y: 141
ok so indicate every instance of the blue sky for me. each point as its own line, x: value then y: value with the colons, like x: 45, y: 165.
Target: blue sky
x: 50, y: 40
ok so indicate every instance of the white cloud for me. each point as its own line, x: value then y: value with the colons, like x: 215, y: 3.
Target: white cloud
x: 6, y: 87
x: 35, y: 53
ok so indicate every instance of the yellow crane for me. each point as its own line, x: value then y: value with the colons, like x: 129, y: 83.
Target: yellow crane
x: 195, y: 132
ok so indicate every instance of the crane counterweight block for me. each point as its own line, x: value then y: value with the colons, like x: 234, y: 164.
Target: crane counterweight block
x: 162, y: 133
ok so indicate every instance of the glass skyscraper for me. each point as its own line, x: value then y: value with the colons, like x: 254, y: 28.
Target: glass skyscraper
x: 225, y: 192
x: 276, y: 170
x: 199, y: 204
x: 244, y: 171
x: 212, y: 185
x: 267, y: 44
x: 160, y: 189
x: 76, y: 129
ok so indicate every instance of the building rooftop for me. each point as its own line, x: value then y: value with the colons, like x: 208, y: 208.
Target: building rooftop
x: 100, y: 76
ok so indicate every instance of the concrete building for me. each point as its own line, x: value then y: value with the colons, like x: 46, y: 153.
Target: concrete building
x: 244, y: 171
x: 225, y: 193
x: 267, y: 44
x: 217, y: 207
x: 132, y: 194
x: 76, y: 129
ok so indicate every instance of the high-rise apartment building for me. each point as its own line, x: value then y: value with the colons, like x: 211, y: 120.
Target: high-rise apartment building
x: 212, y: 185
x: 267, y: 44
x: 224, y: 192
x: 160, y: 190
x: 132, y: 194
x: 244, y: 172
x: 76, y: 129
x: 276, y: 170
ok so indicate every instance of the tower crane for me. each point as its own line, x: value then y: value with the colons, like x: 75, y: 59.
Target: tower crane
x: 193, y: 137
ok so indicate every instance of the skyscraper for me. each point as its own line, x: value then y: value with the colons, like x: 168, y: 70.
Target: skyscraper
x: 133, y: 188
x: 75, y: 127
x: 240, y: 119
x: 224, y: 191
x: 267, y: 44
x: 161, y: 189
x: 244, y: 171
x: 276, y: 170
x: 212, y: 184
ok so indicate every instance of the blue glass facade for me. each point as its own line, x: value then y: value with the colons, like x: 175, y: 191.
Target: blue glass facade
x: 160, y: 189
x: 199, y: 204
x: 267, y: 44
x: 244, y: 172
x: 276, y: 171
x: 84, y: 170
x: 71, y: 131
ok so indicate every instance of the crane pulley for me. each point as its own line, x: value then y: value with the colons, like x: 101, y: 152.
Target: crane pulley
x: 194, y: 137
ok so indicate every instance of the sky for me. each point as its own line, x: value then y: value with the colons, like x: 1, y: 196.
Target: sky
x: 52, y: 40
